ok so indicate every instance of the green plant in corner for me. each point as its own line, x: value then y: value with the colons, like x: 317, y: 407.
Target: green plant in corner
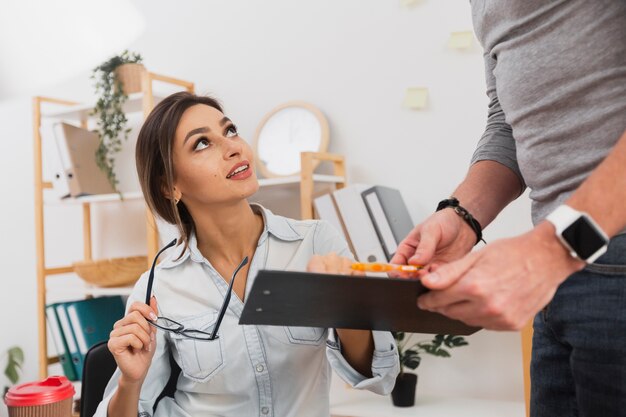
x: 15, y: 360
x: 410, y: 354
x: 111, y: 118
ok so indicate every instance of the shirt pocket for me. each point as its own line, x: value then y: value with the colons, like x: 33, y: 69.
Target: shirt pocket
x: 200, y: 360
x: 305, y: 335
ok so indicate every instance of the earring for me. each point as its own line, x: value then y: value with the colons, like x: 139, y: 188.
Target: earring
x: 177, y: 197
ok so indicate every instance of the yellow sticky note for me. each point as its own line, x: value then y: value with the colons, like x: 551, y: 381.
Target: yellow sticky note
x: 461, y: 40
x: 407, y: 3
x: 416, y: 98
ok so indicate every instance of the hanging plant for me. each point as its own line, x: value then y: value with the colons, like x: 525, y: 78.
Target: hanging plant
x: 109, y: 111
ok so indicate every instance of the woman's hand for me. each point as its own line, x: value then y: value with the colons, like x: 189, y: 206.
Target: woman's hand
x: 357, y: 346
x: 331, y: 264
x: 133, y: 341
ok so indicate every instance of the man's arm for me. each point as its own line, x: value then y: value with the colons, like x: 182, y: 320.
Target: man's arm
x: 492, y: 182
x: 503, y: 285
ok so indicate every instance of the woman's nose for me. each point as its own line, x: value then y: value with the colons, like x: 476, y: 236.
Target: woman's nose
x: 231, y: 149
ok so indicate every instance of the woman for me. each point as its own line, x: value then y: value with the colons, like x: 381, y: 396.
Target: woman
x: 196, y: 172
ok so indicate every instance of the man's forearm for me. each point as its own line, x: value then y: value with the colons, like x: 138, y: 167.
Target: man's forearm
x: 603, y: 193
x: 487, y: 189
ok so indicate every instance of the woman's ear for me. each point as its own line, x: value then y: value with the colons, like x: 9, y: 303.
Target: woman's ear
x: 176, y: 195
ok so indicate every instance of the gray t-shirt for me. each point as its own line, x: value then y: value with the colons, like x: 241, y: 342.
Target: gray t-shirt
x: 556, y: 80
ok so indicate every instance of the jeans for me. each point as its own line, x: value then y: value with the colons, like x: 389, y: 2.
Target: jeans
x: 578, y: 363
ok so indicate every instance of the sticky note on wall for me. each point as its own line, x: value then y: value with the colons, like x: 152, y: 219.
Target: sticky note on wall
x: 415, y: 98
x: 461, y: 40
x: 408, y: 3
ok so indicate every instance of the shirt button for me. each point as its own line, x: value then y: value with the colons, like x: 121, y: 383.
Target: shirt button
x: 265, y: 410
x: 260, y: 368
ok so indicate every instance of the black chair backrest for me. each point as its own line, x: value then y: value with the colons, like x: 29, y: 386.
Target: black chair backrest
x: 99, y: 366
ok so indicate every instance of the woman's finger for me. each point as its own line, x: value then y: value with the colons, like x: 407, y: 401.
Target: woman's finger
x: 134, y: 329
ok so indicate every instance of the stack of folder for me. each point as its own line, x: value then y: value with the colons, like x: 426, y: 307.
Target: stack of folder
x: 374, y: 220
x: 78, y: 325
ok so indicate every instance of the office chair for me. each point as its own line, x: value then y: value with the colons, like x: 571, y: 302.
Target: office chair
x: 98, y: 368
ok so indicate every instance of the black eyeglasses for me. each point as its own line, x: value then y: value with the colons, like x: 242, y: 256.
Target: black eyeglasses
x: 173, y: 326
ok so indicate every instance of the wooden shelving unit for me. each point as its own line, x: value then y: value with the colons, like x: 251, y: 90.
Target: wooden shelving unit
x: 80, y: 113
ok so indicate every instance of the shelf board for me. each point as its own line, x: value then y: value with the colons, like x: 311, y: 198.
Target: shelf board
x: 98, y: 198
x: 83, y: 111
x: 82, y: 291
x: 295, y: 179
x: 137, y: 195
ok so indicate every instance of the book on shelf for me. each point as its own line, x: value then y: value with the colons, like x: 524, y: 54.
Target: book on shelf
x: 92, y: 319
x: 70, y: 340
x: 373, y: 219
x: 85, y: 323
x: 358, y: 224
x: 77, y: 153
x: 389, y: 215
x: 60, y: 343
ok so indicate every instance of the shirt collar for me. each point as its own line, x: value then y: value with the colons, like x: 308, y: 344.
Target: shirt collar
x: 278, y: 226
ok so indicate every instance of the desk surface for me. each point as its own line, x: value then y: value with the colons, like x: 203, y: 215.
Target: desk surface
x: 425, y: 406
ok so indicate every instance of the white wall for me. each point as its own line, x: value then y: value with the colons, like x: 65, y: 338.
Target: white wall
x: 351, y: 58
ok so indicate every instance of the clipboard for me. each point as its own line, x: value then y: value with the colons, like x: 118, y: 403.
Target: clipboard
x: 284, y: 298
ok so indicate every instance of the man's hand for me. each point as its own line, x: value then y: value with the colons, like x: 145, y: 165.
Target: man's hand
x: 441, y: 238
x: 504, y: 284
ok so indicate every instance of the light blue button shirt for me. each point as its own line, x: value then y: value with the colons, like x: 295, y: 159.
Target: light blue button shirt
x: 249, y: 370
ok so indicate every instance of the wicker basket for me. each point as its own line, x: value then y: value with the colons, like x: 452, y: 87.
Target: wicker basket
x: 112, y: 272
x: 130, y: 77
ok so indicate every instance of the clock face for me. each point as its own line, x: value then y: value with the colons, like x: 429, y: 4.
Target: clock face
x: 284, y: 135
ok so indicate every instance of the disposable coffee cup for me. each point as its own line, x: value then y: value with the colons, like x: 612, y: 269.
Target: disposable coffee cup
x: 51, y: 397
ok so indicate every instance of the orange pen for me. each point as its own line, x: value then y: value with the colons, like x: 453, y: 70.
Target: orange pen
x: 380, y: 267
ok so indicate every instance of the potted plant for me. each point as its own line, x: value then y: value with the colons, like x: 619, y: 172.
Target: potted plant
x: 15, y: 360
x: 114, y: 80
x: 403, y: 394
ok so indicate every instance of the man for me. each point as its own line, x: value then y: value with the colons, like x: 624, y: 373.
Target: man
x: 556, y: 79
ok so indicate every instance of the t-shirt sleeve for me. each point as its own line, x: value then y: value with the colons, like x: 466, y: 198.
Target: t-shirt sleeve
x: 497, y: 142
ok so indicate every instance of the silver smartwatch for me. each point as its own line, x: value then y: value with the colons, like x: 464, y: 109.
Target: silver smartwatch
x: 579, y: 233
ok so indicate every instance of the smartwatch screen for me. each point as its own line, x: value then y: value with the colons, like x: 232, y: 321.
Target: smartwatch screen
x: 583, y: 237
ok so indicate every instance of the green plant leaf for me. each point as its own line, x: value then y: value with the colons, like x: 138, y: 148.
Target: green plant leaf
x: 17, y: 354
x: 15, y: 359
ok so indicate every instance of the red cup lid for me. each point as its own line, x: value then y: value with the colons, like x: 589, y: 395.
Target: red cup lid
x: 51, y: 390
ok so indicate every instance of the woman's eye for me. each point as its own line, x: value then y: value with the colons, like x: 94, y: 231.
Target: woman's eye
x: 231, y: 132
x: 202, y: 143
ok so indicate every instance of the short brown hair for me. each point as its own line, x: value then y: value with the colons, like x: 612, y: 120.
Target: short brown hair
x: 153, y: 156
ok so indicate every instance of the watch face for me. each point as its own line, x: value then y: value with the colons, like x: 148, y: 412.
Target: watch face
x: 583, y: 237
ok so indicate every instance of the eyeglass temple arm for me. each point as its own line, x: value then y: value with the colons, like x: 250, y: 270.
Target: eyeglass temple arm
x: 227, y: 299
x: 151, y: 277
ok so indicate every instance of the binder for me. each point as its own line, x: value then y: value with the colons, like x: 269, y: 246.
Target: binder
x: 359, y: 226
x: 92, y: 320
x: 285, y: 298
x: 326, y: 209
x: 59, y: 342
x: 389, y: 215
x: 59, y: 159
x: 68, y: 335
x: 77, y: 149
